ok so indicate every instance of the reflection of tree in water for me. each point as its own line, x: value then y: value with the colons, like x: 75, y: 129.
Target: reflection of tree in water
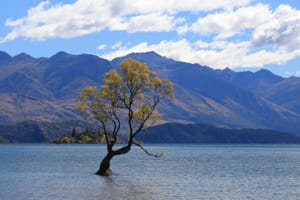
x: 115, y: 189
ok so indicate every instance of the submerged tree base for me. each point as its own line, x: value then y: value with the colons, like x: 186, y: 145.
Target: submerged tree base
x: 107, y: 172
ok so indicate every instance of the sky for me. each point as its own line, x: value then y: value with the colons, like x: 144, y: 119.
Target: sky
x: 239, y: 34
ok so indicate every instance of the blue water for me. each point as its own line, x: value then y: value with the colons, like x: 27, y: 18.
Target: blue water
x: 208, y: 172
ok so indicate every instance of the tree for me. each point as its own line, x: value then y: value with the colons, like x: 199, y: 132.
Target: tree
x: 126, y: 99
x: 73, y: 132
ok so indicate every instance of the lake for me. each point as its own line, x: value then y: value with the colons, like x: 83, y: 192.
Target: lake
x: 208, y: 172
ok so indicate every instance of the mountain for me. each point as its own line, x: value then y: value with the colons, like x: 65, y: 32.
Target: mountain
x: 65, y: 75
x: 59, y: 77
x: 45, y: 90
x: 286, y: 93
x: 220, y: 97
x: 281, y: 91
x: 4, y: 57
x: 258, y: 82
x: 207, y: 134
x: 38, y: 131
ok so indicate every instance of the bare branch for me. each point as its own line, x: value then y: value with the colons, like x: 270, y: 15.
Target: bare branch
x: 147, y: 152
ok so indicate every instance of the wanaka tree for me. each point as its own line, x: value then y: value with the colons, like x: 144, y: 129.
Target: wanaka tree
x: 126, y: 100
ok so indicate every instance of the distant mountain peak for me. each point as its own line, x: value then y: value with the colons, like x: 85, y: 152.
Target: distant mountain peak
x: 267, y: 75
x: 60, y: 55
x: 90, y: 56
x: 147, y: 53
x: 151, y: 58
x: 141, y: 53
x: 4, y: 56
x: 2, y: 53
x: 264, y: 72
x: 227, y: 69
x: 23, y: 56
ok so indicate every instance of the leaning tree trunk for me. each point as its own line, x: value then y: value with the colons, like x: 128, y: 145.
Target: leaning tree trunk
x: 104, y: 169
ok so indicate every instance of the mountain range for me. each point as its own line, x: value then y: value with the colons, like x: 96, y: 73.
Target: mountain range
x: 207, y: 134
x: 42, y: 93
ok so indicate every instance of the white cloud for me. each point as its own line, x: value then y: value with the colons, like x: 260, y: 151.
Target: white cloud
x: 181, y: 30
x: 117, y: 45
x: 217, y: 54
x: 89, y: 16
x: 65, y: 21
x: 282, y: 31
x: 153, y: 22
x: 227, y: 24
x: 265, y: 36
x: 101, y: 46
x: 172, y: 6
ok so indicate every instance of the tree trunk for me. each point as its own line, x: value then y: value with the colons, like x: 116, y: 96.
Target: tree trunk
x: 104, y: 169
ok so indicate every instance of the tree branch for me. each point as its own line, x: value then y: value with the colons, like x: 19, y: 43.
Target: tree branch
x: 142, y: 124
x: 147, y: 152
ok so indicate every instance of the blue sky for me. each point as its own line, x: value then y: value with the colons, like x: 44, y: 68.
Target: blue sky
x: 242, y: 35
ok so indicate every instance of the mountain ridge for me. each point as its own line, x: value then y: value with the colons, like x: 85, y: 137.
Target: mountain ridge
x: 208, y: 134
x: 204, y: 95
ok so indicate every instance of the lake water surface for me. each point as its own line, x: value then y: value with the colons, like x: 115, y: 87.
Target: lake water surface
x: 208, y: 172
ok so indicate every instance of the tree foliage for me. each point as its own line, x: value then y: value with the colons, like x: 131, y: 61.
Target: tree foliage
x: 126, y: 99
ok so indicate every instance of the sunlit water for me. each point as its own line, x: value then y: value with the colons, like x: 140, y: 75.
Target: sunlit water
x: 184, y: 172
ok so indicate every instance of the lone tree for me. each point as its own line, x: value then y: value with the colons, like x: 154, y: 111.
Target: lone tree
x: 127, y: 99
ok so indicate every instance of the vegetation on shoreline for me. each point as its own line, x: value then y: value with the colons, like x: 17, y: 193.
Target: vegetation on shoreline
x: 87, y: 137
x: 4, y: 140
